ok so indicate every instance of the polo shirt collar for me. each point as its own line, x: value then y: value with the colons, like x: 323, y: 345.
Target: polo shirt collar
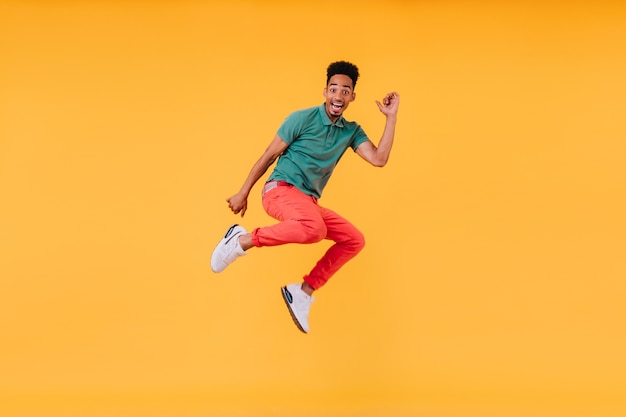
x: 326, y: 120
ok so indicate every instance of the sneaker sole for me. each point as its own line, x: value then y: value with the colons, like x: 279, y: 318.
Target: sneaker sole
x: 293, y: 317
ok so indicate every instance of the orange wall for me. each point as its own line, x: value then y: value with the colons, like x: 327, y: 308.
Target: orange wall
x: 492, y: 282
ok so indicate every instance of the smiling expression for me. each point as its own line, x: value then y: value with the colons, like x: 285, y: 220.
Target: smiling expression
x: 338, y: 93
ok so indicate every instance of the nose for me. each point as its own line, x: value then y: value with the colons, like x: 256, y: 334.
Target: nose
x: 336, y: 95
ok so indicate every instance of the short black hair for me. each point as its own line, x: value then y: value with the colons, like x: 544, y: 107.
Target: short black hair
x: 343, y: 68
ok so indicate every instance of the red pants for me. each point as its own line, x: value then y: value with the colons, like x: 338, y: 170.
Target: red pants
x: 302, y: 220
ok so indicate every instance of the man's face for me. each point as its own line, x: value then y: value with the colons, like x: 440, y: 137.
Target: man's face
x: 338, y: 93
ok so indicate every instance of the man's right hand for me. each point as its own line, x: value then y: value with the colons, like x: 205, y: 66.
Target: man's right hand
x: 238, y: 203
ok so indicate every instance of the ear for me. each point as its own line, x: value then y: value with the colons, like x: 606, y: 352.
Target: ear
x: 353, y: 96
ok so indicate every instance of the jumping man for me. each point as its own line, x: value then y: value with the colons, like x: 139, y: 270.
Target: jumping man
x: 308, y: 146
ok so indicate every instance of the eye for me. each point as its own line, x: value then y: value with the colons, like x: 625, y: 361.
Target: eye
x: 346, y: 92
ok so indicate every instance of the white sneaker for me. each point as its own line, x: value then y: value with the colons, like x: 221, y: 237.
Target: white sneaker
x: 228, y: 249
x: 299, y: 304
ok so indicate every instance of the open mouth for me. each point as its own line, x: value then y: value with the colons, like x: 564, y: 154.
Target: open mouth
x: 336, y: 106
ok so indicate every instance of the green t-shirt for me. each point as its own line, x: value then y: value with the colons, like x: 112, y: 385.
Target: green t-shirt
x: 315, y: 146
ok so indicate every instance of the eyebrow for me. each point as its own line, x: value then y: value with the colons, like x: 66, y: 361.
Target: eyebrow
x: 347, y: 86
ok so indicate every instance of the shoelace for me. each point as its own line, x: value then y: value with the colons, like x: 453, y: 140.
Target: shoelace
x: 231, y: 249
x: 303, y: 304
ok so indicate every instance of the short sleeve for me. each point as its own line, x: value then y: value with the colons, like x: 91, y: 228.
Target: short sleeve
x: 359, y: 138
x: 291, y: 128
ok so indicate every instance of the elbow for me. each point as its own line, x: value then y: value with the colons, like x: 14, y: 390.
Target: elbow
x: 379, y: 163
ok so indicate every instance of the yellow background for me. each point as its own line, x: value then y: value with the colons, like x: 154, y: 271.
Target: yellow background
x: 492, y: 283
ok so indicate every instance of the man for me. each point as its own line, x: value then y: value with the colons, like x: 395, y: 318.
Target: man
x: 308, y: 146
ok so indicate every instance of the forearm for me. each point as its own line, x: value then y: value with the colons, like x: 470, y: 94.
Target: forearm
x: 383, y: 150
x: 257, y: 171
x: 273, y: 151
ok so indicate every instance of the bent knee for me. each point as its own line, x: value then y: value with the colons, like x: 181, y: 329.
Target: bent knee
x: 313, y: 232
x: 358, y: 241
